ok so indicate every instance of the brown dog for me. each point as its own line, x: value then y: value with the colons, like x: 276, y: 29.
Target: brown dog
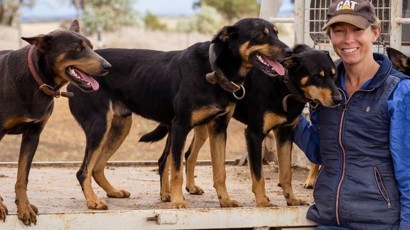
x: 30, y: 78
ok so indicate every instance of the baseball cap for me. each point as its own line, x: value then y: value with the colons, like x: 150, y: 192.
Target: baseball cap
x: 360, y: 13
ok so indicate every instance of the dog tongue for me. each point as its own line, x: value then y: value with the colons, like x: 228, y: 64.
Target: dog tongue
x: 89, y: 79
x: 276, y: 66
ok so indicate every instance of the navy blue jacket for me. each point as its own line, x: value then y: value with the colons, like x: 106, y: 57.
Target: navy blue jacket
x: 364, y: 148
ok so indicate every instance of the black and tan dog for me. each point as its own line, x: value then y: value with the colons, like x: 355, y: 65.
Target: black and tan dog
x: 271, y: 104
x: 400, y: 61
x: 182, y: 89
x: 30, y: 78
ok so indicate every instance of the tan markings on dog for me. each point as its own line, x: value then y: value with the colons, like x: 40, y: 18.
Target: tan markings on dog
x: 89, y: 64
x: 322, y: 73
x: 10, y: 123
x: 270, y: 120
x: 92, y: 200
x: 324, y: 95
x: 165, y: 192
x: 304, y: 80
x: 258, y: 188
x: 177, y: 198
x: 333, y: 71
x: 246, y: 50
x: 266, y: 31
x: 200, y: 137
x: 285, y: 169
x: 120, y: 128
x: 205, y: 112
x: 217, y: 143
x: 311, y: 179
x: 21, y: 200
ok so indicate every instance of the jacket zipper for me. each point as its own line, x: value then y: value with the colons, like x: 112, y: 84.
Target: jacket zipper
x: 380, y: 185
x: 341, y: 125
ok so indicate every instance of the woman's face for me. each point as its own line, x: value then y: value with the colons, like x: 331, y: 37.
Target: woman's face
x: 352, y: 44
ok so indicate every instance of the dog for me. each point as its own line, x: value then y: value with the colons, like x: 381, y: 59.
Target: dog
x: 400, y: 61
x: 30, y: 78
x: 182, y: 89
x: 270, y: 104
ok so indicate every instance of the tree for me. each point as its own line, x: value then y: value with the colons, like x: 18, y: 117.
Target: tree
x: 108, y: 15
x: 152, y: 22
x: 232, y: 9
x: 9, y: 10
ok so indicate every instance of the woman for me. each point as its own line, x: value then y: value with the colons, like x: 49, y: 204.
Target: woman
x: 362, y: 145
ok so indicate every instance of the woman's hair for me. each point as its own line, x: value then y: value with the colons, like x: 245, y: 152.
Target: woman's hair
x: 374, y: 26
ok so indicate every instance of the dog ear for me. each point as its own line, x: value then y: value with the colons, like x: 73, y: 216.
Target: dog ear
x: 226, y: 34
x: 75, y: 26
x: 400, y: 61
x: 41, y: 41
x: 219, y: 43
x: 289, y: 62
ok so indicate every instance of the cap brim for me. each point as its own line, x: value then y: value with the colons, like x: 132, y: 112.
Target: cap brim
x: 355, y: 20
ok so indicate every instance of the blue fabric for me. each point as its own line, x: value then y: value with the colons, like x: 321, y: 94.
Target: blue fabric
x: 326, y: 227
x: 307, y: 136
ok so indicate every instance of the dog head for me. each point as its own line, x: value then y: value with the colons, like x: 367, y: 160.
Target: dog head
x: 251, y: 42
x: 400, y: 61
x: 68, y: 56
x: 313, y: 72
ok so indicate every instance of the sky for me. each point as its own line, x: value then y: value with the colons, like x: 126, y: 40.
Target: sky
x: 59, y: 9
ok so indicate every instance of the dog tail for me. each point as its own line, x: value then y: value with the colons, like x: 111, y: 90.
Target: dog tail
x: 155, y: 135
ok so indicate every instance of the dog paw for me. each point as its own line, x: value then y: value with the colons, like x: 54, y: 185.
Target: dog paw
x: 194, y: 190
x: 265, y: 203
x: 308, y: 185
x: 229, y: 203
x: 3, y: 212
x: 179, y: 205
x: 165, y: 197
x: 97, y: 205
x: 296, y: 202
x: 118, y: 193
x: 27, y: 214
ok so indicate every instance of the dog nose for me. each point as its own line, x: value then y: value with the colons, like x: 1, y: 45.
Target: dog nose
x: 106, y: 65
x: 337, y: 98
x: 288, y: 51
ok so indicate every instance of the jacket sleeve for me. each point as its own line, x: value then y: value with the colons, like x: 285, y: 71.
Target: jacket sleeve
x: 306, y: 137
x: 399, y: 108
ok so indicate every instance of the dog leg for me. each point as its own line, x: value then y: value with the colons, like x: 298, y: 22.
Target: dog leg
x: 27, y: 212
x: 311, y: 179
x: 164, y: 164
x: 120, y: 128
x: 217, y: 140
x: 200, y: 136
x: 254, y: 142
x: 96, y: 139
x: 284, y: 150
x: 3, y: 208
x: 178, y: 137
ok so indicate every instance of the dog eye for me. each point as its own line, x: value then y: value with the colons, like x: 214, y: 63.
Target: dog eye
x: 79, y: 49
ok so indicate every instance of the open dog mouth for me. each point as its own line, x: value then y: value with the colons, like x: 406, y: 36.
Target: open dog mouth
x: 82, y: 80
x: 268, y: 65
